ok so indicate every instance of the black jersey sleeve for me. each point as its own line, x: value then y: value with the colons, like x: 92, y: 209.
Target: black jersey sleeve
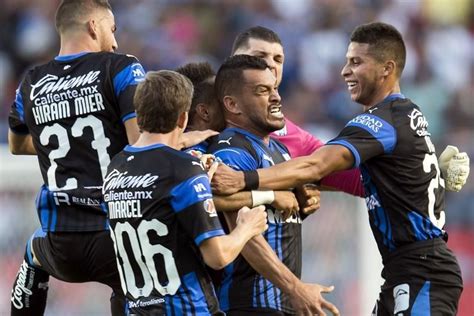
x: 191, y: 200
x: 16, y: 117
x: 366, y: 136
x: 129, y: 73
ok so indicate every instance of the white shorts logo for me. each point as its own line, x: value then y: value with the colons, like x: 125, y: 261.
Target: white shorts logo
x: 401, y: 296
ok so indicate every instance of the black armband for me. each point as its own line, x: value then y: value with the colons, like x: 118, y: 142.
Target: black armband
x: 251, y: 180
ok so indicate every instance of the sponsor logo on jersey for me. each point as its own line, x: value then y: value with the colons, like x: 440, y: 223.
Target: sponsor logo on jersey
x: 372, y: 202
x: 53, y: 84
x: 145, y: 302
x: 120, y: 180
x: 367, y: 120
x: 418, y: 123
x: 276, y: 217
x: 225, y: 141
x: 401, y: 295
x: 210, y: 208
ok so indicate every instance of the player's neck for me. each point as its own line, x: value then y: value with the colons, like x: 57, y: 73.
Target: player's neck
x: 384, y: 93
x: 170, y: 139
x: 77, y: 43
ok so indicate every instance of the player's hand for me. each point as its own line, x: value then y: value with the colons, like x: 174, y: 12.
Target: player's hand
x: 192, y: 138
x: 307, y: 300
x: 309, y: 198
x: 227, y: 181
x: 286, y: 203
x: 254, y: 219
x: 455, y: 168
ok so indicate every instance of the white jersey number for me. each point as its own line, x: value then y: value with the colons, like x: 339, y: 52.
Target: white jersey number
x: 100, y: 144
x: 143, y: 253
x: 431, y: 160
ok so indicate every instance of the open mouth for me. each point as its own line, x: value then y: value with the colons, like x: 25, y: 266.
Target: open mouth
x: 351, y: 85
x: 275, y: 111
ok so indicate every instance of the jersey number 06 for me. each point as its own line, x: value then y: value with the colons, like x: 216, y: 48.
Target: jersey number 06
x: 141, y: 248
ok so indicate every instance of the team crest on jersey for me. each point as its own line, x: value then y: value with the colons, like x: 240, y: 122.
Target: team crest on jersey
x: 418, y: 123
x: 210, y: 208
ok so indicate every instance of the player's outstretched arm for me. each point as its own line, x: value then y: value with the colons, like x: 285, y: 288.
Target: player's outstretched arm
x: 455, y: 168
x: 219, y: 251
x: 21, y: 144
x: 298, y: 171
x: 192, y: 138
x: 284, y: 201
x: 305, y: 298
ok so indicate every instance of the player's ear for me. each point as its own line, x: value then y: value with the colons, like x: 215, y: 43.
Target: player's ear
x: 182, y: 120
x: 389, y: 68
x: 203, y: 111
x: 231, y: 105
x: 92, y: 28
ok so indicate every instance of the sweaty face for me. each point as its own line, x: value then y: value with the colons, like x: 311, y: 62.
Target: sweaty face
x: 106, y: 31
x: 363, y: 74
x: 271, y: 52
x: 259, y: 102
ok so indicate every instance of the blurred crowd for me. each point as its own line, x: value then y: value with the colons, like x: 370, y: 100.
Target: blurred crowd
x: 165, y: 34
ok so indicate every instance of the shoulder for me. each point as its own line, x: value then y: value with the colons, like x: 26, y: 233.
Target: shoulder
x: 226, y: 139
x: 184, y: 164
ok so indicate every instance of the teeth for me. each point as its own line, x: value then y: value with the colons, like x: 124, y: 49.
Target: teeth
x: 275, y: 110
x: 351, y: 84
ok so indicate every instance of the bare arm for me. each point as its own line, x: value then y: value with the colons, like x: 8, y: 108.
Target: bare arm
x: 264, y: 260
x: 21, y: 144
x: 219, y: 251
x: 298, y: 171
x: 305, y: 298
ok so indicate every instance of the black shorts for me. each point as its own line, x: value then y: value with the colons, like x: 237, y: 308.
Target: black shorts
x: 423, y: 278
x: 77, y: 256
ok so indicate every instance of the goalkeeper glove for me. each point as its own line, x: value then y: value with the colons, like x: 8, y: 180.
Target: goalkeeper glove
x: 455, y: 168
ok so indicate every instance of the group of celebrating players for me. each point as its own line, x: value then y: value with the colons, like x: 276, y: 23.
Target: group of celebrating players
x: 137, y: 195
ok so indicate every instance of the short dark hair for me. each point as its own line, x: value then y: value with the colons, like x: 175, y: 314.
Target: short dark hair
x: 230, y: 75
x: 256, y: 32
x: 385, y: 42
x: 70, y: 12
x: 159, y: 100
x: 202, y: 76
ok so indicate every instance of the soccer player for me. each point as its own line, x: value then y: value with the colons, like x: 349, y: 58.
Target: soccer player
x: 257, y: 283
x: 205, y: 112
x: 162, y: 217
x: 75, y: 112
x: 404, y: 190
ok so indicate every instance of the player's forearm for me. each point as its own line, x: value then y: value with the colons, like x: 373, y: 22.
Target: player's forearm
x: 233, y: 202
x: 263, y: 259
x: 222, y: 250
x: 291, y: 173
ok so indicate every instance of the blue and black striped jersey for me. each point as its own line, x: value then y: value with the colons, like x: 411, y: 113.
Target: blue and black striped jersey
x: 74, y: 108
x: 404, y: 190
x: 160, y: 207
x: 242, y: 287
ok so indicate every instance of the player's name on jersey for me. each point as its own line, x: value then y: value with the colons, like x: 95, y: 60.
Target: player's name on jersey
x: 62, y: 109
x: 61, y: 97
x: 124, y: 209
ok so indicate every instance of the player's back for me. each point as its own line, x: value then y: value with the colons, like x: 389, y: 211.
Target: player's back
x: 75, y: 107
x: 160, y: 208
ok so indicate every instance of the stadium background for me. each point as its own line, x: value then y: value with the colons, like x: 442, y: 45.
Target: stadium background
x: 338, y: 245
